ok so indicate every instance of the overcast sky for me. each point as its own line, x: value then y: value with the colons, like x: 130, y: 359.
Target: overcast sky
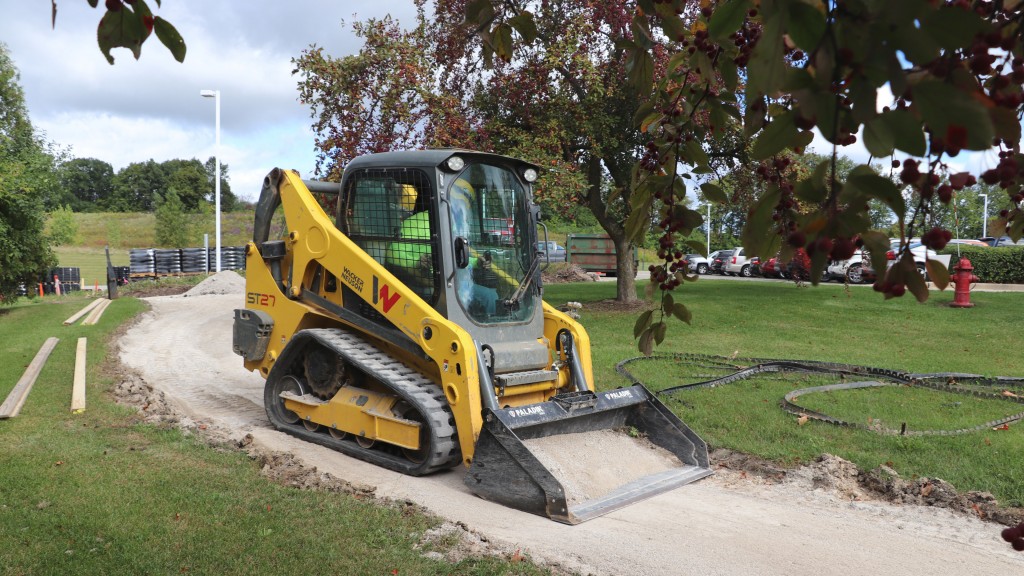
x: 151, y: 108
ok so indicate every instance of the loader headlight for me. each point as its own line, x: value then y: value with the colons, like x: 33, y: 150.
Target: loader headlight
x: 530, y: 175
x: 455, y: 163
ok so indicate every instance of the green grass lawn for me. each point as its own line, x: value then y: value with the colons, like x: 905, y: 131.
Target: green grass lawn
x: 831, y: 323
x: 102, y: 493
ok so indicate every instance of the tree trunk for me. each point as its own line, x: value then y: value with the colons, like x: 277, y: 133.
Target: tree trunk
x: 625, y: 267
x: 625, y: 270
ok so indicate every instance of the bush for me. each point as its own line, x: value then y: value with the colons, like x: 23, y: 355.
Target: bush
x: 62, y: 228
x: 996, y: 265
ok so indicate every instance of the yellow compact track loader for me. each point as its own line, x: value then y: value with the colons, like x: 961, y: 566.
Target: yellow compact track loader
x: 410, y: 332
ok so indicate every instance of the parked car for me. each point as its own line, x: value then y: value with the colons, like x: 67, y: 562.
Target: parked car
x: 738, y: 263
x: 1003, y: 241
x: 772, y: 268
x: 755, y: 266
x: 718, y: 260
x: 851, y: 270
x: 697, y: 263
x: 799, y: 268
x: 967, y: 242
x: 920, y: 252
x: 553, y: 250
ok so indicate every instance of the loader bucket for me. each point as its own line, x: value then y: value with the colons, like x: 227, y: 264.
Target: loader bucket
x: 584, y: 454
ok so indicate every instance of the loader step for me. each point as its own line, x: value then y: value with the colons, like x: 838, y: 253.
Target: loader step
x: 307, y: 399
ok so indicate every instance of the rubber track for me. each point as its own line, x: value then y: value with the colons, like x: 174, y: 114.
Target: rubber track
x: 419, y: 391
x: 744, y: 368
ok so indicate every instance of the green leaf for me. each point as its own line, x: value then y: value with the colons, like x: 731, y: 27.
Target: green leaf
x: 906, y: 130
x: 673, y: 26
x: 642, y: 323
x: 646, y: 344
x: 640, y: 70
x: 687, y: 217
x: 878, y: 138
x: 775, y: 137
x: 937, y: 273
x: 696, y: 156
x: 121, y: 29
x: 681, y: 312
x: 758, y: 235
x: 660, y: 329
x: 767, y: 70
x: 730, y: 76
x: 875, y: 186
x: 813, y: 189
x: 666, y: 302
x: 696, y: 246
x: 479, y: 12
x: 525, y: 25
x: 952, y: 27
x: 806, y: 24
x: 642, y: 32
x: 714, y: 193
x: 1006, y: 124
x: 169, y: 37
x: 643, y: 112
x: 917, y: 45
x: 943, y: 106
x: 913, y: 279
x: 502, y: 41
x: 727, y: 18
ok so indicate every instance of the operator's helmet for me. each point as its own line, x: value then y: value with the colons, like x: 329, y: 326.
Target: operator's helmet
x: 462, y: 191
x: 408, y: 197
x: 462, y: 200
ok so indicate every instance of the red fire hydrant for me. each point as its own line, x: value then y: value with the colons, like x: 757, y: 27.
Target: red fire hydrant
x: 962, y: 279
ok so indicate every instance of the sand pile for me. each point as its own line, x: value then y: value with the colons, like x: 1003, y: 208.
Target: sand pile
x: 224, y: 282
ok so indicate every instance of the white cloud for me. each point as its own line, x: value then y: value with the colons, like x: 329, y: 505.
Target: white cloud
x: 151, y: 108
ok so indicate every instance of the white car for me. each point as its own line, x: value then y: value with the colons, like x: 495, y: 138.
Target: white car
x: 738, y: 263
x: 697, y: 263
x: 919, y: 251
x: 849, y: 269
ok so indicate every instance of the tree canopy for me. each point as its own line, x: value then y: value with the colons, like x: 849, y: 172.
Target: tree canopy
x: 782, y: 71
x: 26, y: 168
x: 560, y: 100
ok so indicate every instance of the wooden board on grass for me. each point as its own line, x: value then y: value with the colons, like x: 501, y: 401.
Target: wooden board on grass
x: 83, y: 311
x: 16, y: 399
x: 78, y: 388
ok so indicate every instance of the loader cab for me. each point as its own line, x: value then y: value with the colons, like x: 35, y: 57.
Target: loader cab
x: 457, y: 228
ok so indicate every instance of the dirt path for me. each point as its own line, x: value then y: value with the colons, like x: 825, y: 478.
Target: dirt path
x: 725, y: 524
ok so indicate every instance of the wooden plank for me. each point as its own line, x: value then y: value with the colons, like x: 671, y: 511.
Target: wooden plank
x: 94, y: 316
x: 16, y: 399
x: 83, y: 311
x: 78, y: 388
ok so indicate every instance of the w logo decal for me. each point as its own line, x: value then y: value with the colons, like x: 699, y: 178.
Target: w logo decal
x: 384, y: 295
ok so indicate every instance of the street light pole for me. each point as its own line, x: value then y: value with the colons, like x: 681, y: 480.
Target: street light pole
x: 215, y: 94
x: 709, y: 228
x: 984, y: 216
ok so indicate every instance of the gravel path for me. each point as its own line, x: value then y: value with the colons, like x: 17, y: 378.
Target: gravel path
x: 726, y: 524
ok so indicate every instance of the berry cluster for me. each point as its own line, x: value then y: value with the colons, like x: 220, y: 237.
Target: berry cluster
x: 745, y: 39
x: 894, y: 289
x: 1015, y: 536
x: 936, y: 238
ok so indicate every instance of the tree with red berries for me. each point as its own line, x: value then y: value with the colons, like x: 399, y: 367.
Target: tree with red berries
x: 551, y: 86
x: 785, y: 70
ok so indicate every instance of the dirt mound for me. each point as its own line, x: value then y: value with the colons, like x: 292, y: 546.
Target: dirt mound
x: 562, y: 274
x: 224, y: 282
x: 834, y: 475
